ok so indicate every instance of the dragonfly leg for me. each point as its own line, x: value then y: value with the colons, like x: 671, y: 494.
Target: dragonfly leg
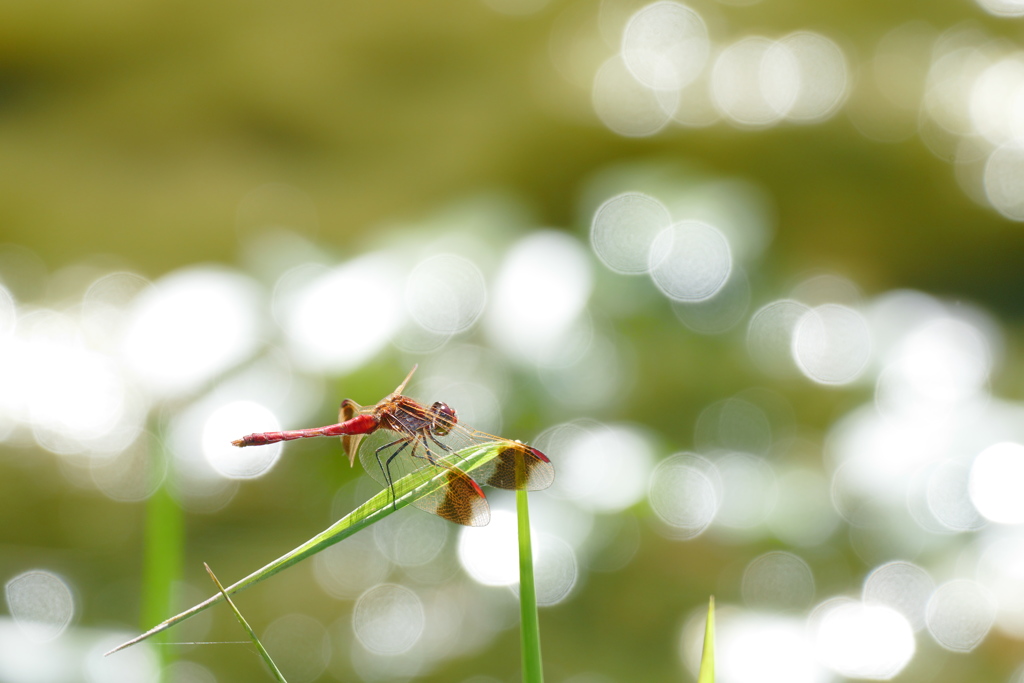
x: 432, y: 458
x: 385, y: 468
x: 445, y: 447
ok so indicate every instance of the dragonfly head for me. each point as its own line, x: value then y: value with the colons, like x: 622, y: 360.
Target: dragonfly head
x: 444, y: 418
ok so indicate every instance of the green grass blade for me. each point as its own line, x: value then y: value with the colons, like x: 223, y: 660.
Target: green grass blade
x: 533, y: 670
x: 163, y: 550
x: 707, y: 657
x: 407, y: 490
x: 248, y: 629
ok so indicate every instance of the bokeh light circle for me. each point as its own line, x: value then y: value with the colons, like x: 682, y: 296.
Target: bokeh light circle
x: 233, y: 421
x: 863, y: 641
x: 719, y: 313
x: 770, y: 335
x: 388, y: 619
x: 778, y: 580
x: 690, y: 261
x: 755, y: 81
x: 665, y: 45
x: 130, y: 475
x: 754, y: 647
x: 997, y: 100
x: 832, y: 344
x: 541, y: 290
x: 823, y: 76
x: 344, y: 316
x: 626, y: 106
x: 1003, y: 8
x: 556, y: 569
x: 1004, y: 180
x: 411, y: 540
x: 190, y: 326
x: 733, y: 424
x: 41, y: 604
x: 748, y: 493
x: 684, y: 494
x: 960, y: 614
x: 997, y: 479
x: 139, y: 664
x: 1001, y: 570
x: 9, y: 310
x: 346, y: 570
x: 902, y: 586
x: 301, y: 646
x: 445, y: 294
x: 602, y: 468
x: 623, y: 229
x: 490, y: 554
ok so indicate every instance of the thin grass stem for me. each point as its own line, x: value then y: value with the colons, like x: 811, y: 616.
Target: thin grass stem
x: 533, y: 670
x: 707, y: 657
x: 248, y: 629
x: 163, y: 552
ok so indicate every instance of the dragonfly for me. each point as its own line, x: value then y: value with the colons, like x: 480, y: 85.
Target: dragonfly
x: 418, y: 437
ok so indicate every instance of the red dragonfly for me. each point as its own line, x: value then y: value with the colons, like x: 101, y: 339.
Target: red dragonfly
x: 420, y: 437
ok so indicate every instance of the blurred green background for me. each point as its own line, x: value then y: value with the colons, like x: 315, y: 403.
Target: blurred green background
x: 264, y: 139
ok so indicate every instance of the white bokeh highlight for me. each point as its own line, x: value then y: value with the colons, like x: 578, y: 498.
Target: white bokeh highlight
x: 665, y: 45
x: 601, y: 468
x: 626, y: 106
x: 1003, y: 8
x: 755, y: 81
x: 345, y: 316
x: 997, y: 479
x: 388, y: 619
x: 778, y: 580
x: 902, y: 586
x: 41, y: 604
x: 300, y: 645
x: 754, y: 647
x: 445, y: 294
x: 832, y: 344
x: 862, y: 641
x: 191, y: 326
x: 822, y: 74
x: 684, y: 494
x: 624, y: 228
x: 1001, y: 570
x: 1004, y: 180
x: 960, y: 614
x: 346, y: 570
x: 770, y: 335
x: 749, y: 491
x: 490, y: 554
x: 411, y: 540
x: 690, y: 261
x: 233, y: 421
x: 542, y: 289
x: 555, y: 568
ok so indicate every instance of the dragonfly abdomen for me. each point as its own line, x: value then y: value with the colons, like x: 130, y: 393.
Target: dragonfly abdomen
x: 360, y: 424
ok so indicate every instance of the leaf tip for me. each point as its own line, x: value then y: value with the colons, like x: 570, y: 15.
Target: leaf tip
x: 121, y: 647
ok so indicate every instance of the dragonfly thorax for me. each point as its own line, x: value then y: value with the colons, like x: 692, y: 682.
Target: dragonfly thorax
x: 443, y: 418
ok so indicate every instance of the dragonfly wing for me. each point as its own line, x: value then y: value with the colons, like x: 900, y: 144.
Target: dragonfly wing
x: 350, y: 442
x: 517, y: 466
x: 459, y: 500
x: 388, y: 457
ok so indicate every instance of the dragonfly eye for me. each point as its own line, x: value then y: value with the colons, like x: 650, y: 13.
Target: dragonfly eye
x: 444, y: 418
